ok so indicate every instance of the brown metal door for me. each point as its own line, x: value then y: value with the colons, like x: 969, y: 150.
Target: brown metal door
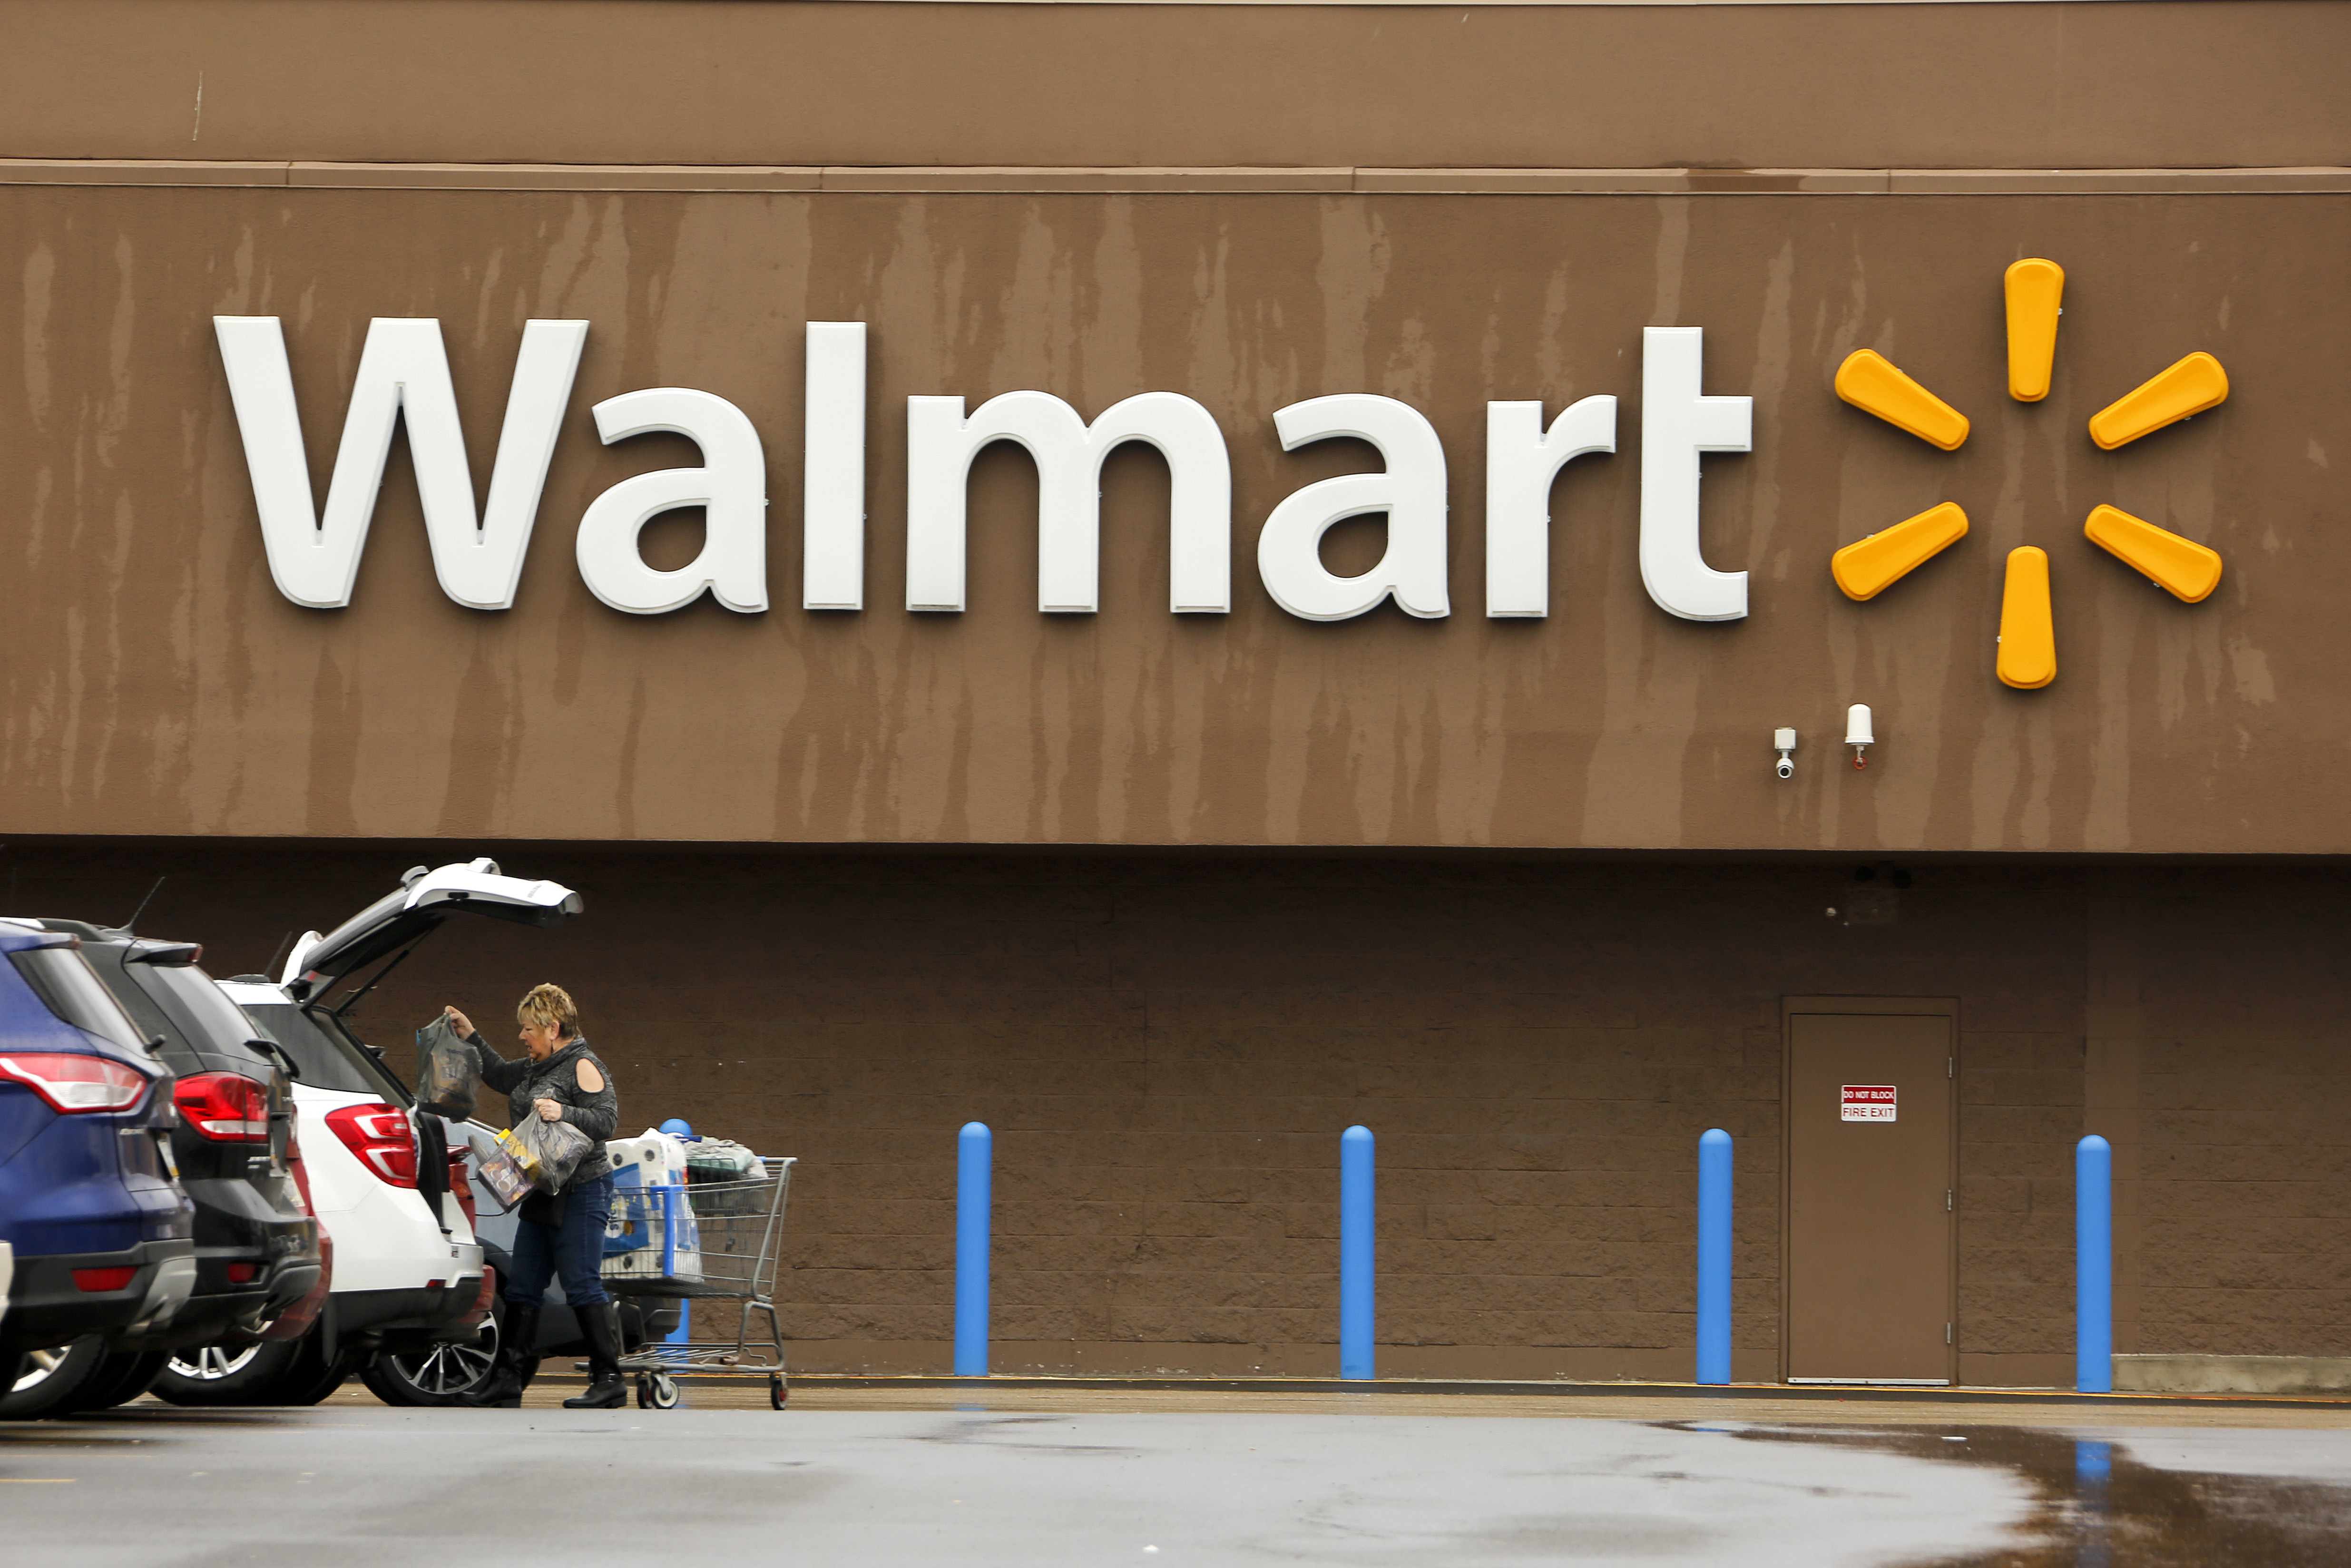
x: 1871, y: 1173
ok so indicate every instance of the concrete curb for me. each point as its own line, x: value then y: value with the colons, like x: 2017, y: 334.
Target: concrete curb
x: 1758, y: 1391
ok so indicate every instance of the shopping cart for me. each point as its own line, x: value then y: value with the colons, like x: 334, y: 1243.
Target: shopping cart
x: 710, y: 1241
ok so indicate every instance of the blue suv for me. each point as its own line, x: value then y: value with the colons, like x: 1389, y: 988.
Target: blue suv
x: 103, y: 1235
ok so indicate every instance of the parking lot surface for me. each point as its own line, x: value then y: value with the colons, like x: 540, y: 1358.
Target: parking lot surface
x: 1092, y: 1478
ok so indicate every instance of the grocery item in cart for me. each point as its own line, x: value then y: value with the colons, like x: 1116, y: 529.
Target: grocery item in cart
x: 651, y: 1232
x: 718, y: 1171
x: 649, y: 1159
x: 719, y: 1159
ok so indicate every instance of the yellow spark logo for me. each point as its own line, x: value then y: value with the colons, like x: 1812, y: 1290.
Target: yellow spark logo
x: 2028, y: 641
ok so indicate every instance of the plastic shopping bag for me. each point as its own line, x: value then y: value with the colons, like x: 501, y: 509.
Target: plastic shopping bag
x: 445, y: 1071
x: 549, y: 1151
x: 719, y: 1159
x: 727, y: 1177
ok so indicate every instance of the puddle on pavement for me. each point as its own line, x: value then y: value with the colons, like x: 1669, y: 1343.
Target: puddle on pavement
x: 2098, y: 1507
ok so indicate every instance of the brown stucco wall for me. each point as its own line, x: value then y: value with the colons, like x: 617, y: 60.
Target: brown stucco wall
x: 738, y: 81
x: 1169, y: 1047
x: 153, y: 682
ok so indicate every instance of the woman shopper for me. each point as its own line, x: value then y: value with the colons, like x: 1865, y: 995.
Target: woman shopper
x: 562, y: 1233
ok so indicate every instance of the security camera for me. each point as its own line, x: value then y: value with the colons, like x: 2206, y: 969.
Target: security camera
x: 1785, y: 767
x: 1783, y: 741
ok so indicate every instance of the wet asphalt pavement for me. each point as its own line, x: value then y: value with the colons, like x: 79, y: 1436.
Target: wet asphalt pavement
x: 358, y: 1483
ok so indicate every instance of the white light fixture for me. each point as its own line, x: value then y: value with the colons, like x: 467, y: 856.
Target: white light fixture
x: 1857, y: 733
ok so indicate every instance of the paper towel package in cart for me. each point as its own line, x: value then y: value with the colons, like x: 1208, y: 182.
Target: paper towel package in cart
x: 650, y: 1159
x: 651, y: 1233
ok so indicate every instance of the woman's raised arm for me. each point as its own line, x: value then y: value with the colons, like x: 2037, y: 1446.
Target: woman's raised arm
x: 495, y: 1071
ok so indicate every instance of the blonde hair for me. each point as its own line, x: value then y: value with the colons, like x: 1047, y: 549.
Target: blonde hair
x: 548, y: 1006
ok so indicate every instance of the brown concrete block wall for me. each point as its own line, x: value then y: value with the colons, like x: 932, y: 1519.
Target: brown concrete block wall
x: 2246, y: 1185
x: 1169, y: 1047
x: 2019, y: 1115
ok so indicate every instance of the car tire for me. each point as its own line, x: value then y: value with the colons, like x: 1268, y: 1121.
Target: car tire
x: 51, y: 1378
x: 314, y: 1373
x: 226, y: 1374
x: 120, y: 1378
x: 442, y: 1374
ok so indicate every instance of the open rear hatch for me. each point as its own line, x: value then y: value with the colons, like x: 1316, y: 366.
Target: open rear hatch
x: 393, y: 923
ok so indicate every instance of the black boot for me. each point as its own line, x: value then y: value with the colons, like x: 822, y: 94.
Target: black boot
x: 607, y: 1389
x: 517, y: 1363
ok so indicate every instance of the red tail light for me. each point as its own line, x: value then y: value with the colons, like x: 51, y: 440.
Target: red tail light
x: 73, y: 1084
x: 244, y: 1273
x: 227, y: 1107
x: 302, y: 1174
x: 381, y: 1136
x: 481, y: 1307
x: 298, y: 1319
x: 461, y: 1182
x: 303, y: 1315
x: 103, y: 1278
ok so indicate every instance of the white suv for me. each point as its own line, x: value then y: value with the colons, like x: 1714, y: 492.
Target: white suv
x: 407, y: 1271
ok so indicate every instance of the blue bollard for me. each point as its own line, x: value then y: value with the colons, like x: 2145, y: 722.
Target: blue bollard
x: 1714, y: 1256
x: 974, y: 1149
x: 1355, y: 1252
x: 2093, y: 1266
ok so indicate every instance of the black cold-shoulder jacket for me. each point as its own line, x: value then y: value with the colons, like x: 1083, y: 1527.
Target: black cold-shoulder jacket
x: 596, y: 1113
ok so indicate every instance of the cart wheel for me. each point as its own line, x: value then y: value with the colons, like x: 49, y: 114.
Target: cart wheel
x: 656, y: 1391
x: 776, y: 1393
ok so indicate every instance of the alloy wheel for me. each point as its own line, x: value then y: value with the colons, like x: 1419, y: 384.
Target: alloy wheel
x: 38, y: 1365
x: 448, y: 1370
x: 210, y: 1363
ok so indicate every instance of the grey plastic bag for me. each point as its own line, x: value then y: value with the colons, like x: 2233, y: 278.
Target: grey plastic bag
x: 550, y: 1151
x: 445, y: 1071
x: 721, y: 1159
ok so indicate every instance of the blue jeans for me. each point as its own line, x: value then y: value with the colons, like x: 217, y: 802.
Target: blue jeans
x: 572, y: 1251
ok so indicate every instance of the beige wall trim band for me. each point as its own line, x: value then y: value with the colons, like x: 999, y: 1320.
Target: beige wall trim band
x: 1554, y: 4
x: 1034, y: 181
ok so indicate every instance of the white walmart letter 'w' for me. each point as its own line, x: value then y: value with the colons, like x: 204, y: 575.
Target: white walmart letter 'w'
x: 403, y: 373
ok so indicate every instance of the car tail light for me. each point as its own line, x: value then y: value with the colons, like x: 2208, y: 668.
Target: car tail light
x: 72, y: 1085
x: 244, y: 1273
x: 298, y: 1318
x: 104, y: 1279
x: 481, y: 1307
x: 461, y: 1182
x: 300, y: 1172
x: 383, y: 1138
x: 303, y: 1315
x: 227, y: 1107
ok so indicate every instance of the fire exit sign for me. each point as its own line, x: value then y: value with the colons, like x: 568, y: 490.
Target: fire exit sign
x: 1865, y: 1103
